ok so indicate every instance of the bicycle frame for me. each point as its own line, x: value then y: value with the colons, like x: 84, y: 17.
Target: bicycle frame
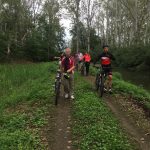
x: 100, y: 81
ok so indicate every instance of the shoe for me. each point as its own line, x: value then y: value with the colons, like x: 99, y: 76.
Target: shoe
x: 110, y: 90
x: 72, y: 97
x: 105, y: 90
x: 66, y: 96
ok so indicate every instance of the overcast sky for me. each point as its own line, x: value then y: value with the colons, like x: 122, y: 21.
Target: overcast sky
x: 67, y: 24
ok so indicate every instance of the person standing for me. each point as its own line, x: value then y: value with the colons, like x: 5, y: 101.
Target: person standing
x: 68, y: 66
x: 80, y: 58
x: 87, y: 60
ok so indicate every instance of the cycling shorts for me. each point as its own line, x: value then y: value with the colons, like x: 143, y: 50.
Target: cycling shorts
x: 107, y: 70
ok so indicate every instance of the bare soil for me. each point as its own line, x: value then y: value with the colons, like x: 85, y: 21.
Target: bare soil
x: 59, y: 132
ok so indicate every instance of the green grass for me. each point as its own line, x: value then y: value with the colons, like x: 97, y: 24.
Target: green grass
x: 25, y: 99
x: 136, y: 92
x: 127, y: 88
x: 94, y: 126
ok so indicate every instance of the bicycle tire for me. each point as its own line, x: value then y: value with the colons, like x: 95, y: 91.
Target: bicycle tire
x: 85, y: 73
x: 57, y: 92
x: 82, y: 70
x: 101, y: 86
x: 97, y: 82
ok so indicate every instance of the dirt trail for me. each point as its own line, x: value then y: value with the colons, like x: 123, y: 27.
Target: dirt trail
x: 60, y: 133
x: 139, y: 134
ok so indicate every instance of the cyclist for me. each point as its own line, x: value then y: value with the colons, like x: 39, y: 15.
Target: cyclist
x: 105, y: 57
x: 68, y: 66
x: 87, y: 60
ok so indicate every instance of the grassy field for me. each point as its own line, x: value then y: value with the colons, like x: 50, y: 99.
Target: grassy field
x: 25, y: 99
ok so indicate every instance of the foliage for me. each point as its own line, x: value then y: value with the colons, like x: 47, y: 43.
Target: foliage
x: 30, y: 30
x: 124, y: 25
x: 136, y: 57
x: 136, y: 92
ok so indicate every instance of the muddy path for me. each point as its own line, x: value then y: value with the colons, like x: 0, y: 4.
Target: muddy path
x: 138, y: 135
x: 59, y: 132
x: 132, y: 118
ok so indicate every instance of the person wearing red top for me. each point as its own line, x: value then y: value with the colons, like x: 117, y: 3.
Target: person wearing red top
x: 87, y: 60
x: 68, y: 66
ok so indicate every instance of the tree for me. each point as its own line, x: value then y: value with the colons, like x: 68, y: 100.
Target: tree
x: 89, y: 9
x: 30, y: 28
x: 73, y: 6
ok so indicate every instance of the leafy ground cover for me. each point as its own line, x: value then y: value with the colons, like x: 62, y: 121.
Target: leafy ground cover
x: 26, y: 100
x: 94, y: 125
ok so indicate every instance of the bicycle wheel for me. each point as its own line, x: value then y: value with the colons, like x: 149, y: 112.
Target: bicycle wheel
x: 85, y: 73
x: 101, y: 86
x: 82, y: 70
x: 97, y: 82
x: 57, y: 92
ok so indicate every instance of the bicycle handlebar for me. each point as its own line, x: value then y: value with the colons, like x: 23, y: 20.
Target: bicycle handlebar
x: 57, y: 58
x: 98, y: 67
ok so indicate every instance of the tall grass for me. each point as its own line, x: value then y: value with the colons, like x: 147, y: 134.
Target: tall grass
x: 17, y: 82
x: 13, y: 76
x: 31, y: 84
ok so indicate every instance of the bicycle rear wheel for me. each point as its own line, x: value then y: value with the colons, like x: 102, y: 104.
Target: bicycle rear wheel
x: 101, y: 86
x: 82, y: 70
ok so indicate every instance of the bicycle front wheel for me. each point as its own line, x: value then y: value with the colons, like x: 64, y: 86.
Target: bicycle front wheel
x: 82, y: 70
x: 101, y: 86
x: 57, y: 92
x: 97, y: 82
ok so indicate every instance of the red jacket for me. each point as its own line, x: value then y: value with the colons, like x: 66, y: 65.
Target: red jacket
x: 67, y: 63
x: 87, y: 58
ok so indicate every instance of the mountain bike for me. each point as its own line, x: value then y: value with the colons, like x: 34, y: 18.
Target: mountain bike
x: 57, y: 86
x: 101, y: 77
x: 58, y: 80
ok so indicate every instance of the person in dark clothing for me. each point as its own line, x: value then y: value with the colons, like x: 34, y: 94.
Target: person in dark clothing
x: 105, y: 59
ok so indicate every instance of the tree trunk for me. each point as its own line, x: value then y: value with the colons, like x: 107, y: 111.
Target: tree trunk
x: 77, y: 20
